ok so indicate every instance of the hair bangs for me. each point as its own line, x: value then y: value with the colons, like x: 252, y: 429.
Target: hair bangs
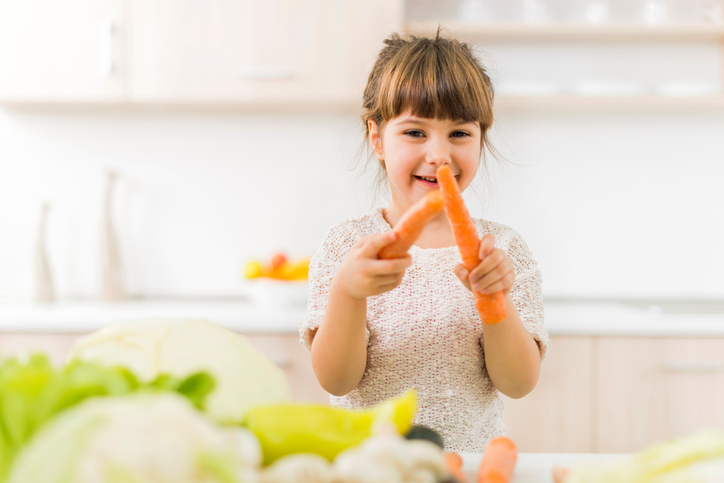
x: 429, y: 85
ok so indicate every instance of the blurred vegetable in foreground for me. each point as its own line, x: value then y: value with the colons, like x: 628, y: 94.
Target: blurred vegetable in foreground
x: 34, y: 392
x: 244, y: 377
x: 698, y: 457
x: 285, y: 429
x: 140, y: 438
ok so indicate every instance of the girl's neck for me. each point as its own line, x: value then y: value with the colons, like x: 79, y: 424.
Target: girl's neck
x: 436, y: 234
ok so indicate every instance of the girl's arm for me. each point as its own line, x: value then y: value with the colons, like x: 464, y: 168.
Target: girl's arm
x: 512, y: 356
x: 339, y: 347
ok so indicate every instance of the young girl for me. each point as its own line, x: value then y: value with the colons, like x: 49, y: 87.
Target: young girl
x: 376, y: 328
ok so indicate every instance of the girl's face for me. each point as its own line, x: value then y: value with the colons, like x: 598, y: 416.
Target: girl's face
x: 412, y: 149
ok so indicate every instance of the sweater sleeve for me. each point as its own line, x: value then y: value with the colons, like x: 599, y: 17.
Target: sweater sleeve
x: 322, y: 267
x: 526, y: 291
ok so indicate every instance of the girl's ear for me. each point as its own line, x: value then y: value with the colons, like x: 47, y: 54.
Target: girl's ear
x: 375, y: 138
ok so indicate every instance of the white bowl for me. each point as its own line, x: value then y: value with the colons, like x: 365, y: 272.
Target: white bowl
x: 271, y: 293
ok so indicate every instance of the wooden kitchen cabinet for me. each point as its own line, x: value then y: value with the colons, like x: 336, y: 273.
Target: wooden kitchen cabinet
x: 70, y: 51
x: 227, y: 50
x: 556, y: 416
x: 287, y: 353
x: 271, y: 52
x: 282, y: 349
x: 56, y: 346
x: 186, y: 52
x: 653, y: 389
x: 620, y: 394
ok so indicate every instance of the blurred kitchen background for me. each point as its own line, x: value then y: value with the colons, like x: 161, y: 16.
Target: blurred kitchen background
x: 232, y: 128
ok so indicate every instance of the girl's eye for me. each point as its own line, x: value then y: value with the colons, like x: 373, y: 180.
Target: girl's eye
x: 415, y: 134
x: 459, y: 134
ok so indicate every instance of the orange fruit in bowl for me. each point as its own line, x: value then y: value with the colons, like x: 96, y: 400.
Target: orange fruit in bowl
x: 278, y: 260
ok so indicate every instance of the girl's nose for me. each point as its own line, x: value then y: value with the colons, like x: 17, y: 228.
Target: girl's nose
x: 438, y: 154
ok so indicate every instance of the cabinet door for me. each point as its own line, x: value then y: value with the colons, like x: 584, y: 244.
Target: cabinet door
x: 56, y: 346
x: 275, y: 51
x: 653, y: 389
x: 556, y: 416
x: 227, y: 50
x: 62, y: 51
x: 286, y: 352
x: 355, y: 35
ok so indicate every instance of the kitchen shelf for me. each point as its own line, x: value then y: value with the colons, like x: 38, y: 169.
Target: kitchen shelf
x: 572, y: 101
x: 571, y: 32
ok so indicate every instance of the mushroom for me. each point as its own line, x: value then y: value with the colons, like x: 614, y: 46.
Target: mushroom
x: 355, y: 466
x: 299, y: 468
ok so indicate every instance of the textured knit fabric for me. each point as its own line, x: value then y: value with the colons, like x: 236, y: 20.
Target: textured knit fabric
x: 426, y: 333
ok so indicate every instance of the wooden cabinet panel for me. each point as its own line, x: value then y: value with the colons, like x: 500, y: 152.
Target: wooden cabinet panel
x: 276, y: 51
x: 56, y: 346
x: 189, y: 52
x: 286, y: 351
x: 227, y: 50
x: 355, y: 35
x: 63, y: 51
x: 653, y: 389
x: 556, y: 415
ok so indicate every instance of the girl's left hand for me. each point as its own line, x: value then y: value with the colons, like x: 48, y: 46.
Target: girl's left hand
x: 493, y: 274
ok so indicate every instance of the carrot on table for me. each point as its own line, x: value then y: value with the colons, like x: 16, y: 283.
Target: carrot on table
x: 492, y: 308
x: 409, y: 227
x: 498, y: 461
x: 454, y: 463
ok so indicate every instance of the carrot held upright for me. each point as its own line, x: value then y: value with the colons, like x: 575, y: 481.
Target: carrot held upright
x: 492, y: 307
x: 410, y: 226
x: 498, y: 461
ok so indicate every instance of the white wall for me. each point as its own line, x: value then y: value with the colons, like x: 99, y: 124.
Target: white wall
x: 612, y: 203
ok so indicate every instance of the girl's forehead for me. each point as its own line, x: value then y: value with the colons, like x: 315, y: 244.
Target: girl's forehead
x: 413, y: 119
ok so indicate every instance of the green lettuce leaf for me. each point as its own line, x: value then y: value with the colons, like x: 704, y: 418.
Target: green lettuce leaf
x: 33, y: 392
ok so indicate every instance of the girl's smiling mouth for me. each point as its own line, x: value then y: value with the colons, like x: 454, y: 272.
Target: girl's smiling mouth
x: 429, y: 180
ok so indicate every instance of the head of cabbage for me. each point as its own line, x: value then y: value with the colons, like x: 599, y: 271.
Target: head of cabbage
x: 244, y: 377
x: 140, y: 438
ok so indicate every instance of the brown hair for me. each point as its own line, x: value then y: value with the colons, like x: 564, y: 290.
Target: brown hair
x: 437, y: 78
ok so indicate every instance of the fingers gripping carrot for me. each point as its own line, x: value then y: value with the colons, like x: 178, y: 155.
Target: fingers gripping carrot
x: 498, y: 461
x: 410, y: 226
x: 492, y: 307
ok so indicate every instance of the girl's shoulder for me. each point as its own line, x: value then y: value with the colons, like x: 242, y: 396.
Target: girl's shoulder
x: 506, y: 238
x: 502, y: 233
x: 349, y: 231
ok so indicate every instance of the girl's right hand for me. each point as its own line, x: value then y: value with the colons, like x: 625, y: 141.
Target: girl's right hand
x: 361, y: 274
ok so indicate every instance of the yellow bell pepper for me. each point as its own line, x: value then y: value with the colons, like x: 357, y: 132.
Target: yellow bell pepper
x: 289, y: 428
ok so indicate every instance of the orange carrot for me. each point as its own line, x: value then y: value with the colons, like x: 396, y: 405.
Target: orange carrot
x: 492, y: 307
x: 498, y: 461
x: 410, y: 226
x: 454, y: 463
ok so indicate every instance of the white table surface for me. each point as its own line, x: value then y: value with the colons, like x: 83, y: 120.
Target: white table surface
x: 532, y: 467
x: 606, y: 319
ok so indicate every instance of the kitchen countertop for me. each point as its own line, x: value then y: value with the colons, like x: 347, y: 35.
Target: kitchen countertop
x: 561, y: 317
x: 533, y: 467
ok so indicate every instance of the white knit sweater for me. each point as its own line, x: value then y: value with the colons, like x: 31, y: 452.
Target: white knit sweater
x: 426, y: 333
